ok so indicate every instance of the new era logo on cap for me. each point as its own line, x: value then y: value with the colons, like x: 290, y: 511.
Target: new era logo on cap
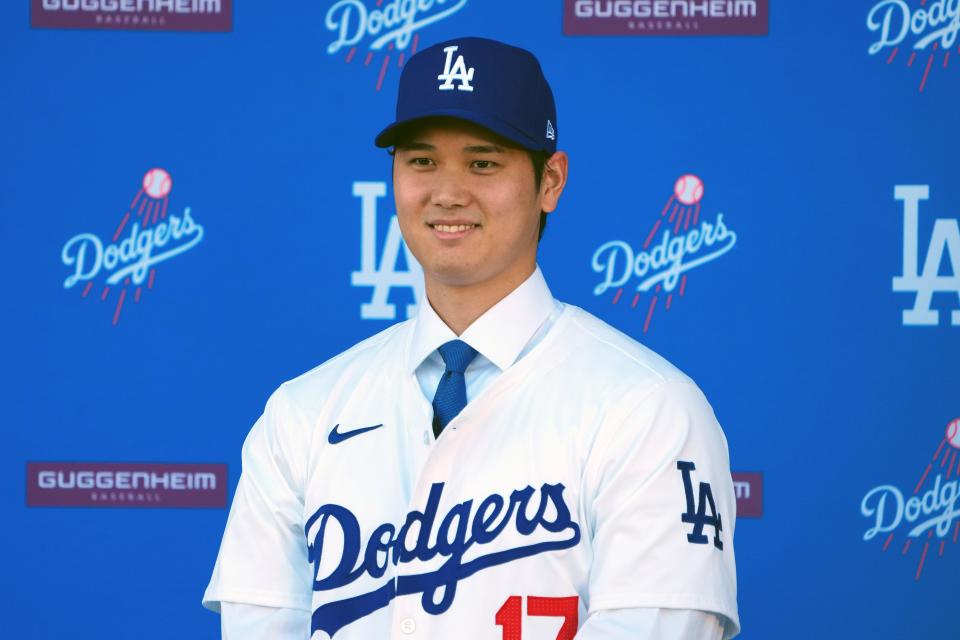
x: 497, y: 86
x: 458, y: 71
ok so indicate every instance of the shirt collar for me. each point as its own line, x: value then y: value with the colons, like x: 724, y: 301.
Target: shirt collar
x: 499, y: 335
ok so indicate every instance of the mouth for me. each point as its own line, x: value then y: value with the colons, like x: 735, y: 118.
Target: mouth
x: 452, y: 228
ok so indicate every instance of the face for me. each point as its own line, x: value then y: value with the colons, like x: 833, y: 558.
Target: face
x: 469, y: 207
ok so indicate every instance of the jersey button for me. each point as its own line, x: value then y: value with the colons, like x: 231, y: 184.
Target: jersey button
x: 408, y: 626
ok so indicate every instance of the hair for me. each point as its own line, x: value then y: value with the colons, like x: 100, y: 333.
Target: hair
x: 538, y: 158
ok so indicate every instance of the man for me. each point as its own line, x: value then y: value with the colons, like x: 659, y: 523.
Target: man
x: 503, y: 465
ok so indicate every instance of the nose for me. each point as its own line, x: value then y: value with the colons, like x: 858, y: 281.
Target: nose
x: 449, y: 192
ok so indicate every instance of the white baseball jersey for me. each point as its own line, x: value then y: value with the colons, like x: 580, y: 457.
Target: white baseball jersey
x: 590, y: 475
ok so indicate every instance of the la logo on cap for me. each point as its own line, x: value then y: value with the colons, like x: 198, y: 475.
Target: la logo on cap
x: 455, y: 71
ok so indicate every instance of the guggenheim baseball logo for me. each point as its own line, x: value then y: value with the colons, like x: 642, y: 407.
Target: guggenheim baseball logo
x: 657, y: 269
x: 125, y: 264
x: 125, y: 484
x: 137, y: 15
x: 665, y: 17
x: 388, y: 29
x: 915, y: 32
x: 748, y: 491
x: 927, y: 515
x: 943, y: 246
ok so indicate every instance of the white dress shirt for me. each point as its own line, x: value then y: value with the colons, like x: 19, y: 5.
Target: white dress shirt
x: 502, y: 336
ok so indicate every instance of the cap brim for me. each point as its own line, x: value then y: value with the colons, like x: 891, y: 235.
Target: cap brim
x: 387, y: 137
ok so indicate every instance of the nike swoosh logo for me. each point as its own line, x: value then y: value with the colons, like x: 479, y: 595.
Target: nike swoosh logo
x: 336, y: 436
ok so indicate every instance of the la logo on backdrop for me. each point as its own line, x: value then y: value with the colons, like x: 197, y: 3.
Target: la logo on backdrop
x: 385, y: 274
x: 918, y: 34
x: 656, y: 269
x: 382, y: 33
x: 943, y: 246
x: 931, y: 513
x: 123, y: 265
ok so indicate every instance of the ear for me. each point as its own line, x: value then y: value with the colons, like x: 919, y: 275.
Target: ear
x: 554, y: 179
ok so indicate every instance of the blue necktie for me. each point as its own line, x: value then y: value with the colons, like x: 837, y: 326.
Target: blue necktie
x: 451, y: 396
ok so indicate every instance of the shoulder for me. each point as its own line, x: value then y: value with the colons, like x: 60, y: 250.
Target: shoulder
x: 295, y: 414
x: 639, y: 395
x: 624, y: 382
x: 609, y: 355
x: 379, y: 353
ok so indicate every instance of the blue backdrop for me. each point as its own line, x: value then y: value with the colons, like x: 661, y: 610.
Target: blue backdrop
x: 796, y: 334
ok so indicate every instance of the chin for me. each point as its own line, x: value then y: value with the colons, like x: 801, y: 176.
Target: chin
x: 454, y: 275
x: 454, y: 278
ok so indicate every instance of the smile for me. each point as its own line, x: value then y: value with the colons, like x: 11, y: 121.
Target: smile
x: 453, y: 228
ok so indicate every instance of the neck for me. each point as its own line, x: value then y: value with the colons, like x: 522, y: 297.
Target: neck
x: 460, y: 305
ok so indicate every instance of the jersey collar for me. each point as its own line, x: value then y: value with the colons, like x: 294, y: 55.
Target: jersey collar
x: 499, y: 335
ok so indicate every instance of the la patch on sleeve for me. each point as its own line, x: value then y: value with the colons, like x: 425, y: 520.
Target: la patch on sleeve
x: 701, y: 510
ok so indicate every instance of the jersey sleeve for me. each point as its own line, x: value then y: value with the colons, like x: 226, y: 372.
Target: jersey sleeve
x: 648, y: 624
x: 263, y: 554
x: 253, y: 622
x: 661, y: 511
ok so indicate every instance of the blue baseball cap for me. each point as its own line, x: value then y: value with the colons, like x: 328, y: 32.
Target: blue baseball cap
x: 489, y: 83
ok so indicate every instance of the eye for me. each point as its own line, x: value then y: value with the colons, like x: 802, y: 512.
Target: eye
x: 484, y: 164
x: 420, y: 162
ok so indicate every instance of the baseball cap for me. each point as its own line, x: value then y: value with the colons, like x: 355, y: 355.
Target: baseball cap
x: 495, y: 85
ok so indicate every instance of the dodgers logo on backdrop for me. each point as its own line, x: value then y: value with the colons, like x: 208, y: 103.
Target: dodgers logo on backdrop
x: 686, y: 243
x: 128, y: 266
x: 943, y: 243
x: 918, y: 32
x: 460, y: 537
x: 929, y: 516
x: 388, y: 29
x: 383, y: 274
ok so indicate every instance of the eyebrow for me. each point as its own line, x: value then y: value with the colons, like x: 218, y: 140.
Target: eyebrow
x: 473, y: 148
x: 483, y: 148
x: 416, y: 146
